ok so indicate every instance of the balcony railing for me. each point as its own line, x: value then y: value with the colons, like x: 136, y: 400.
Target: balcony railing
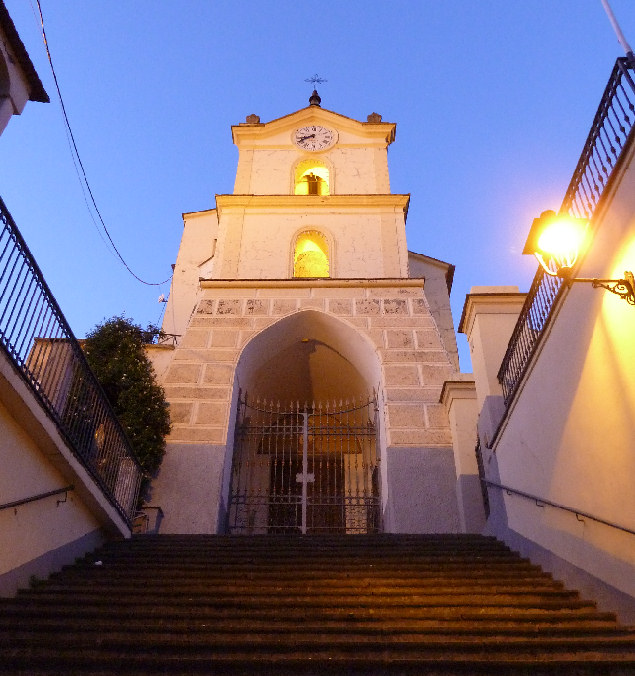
x: 612, y: 125
x: 38, y: 340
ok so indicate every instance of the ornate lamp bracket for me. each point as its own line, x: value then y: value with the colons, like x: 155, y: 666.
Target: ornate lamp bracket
x: 624, y: 288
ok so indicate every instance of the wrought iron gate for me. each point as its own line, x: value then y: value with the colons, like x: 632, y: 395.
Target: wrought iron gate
x: 305, y: 469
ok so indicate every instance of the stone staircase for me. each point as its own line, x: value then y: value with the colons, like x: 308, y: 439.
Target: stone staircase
x: 356, y: 605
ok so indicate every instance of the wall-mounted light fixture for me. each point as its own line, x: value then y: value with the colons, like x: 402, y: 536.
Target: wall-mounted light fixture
x: 557, y: 240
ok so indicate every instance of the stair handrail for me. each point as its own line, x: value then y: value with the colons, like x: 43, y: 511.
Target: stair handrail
x: 543, y: 501
x: 39, y: 496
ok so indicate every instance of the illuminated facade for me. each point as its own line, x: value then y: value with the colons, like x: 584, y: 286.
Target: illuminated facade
x: 299, y: 289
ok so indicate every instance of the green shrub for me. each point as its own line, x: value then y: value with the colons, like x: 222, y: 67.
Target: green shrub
x: 115, y: 352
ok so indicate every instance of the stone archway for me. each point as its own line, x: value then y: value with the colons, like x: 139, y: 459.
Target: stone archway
x: 306, y: 456
x: 308, y: 355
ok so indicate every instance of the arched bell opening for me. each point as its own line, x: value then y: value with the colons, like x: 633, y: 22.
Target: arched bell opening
x: 312, y: 177
x: 306, y: 455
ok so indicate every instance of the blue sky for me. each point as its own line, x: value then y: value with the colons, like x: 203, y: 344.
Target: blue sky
x: 493, y: 101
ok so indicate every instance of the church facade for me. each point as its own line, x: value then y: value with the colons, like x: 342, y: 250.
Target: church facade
x: 311, y: 347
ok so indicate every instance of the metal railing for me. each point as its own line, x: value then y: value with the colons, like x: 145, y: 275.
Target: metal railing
x: 39, y: 496
x: 612, y: 125
x: 478, y: 451
x: 542, y: 502
x: 39, y: 342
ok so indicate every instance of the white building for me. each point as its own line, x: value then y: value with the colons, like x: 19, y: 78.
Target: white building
x: 299, y: 289
x: 556, y: 405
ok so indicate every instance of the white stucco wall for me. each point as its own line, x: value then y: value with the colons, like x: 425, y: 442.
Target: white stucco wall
x: 32, y: 530
x: 489, y: 317
x: 39, y: 537
x: 437, y: 294
x: 195, y: 259
x: 570, y: 433
x: 256, y: 241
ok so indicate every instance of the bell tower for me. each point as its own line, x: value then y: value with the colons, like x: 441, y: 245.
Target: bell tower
x: 298, y: 290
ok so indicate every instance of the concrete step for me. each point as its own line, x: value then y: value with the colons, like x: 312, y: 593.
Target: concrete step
x: 331, y: 660
x: 288, y: 605
x: 477, y: 626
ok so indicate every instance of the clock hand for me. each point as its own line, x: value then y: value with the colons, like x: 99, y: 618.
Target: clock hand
x: 304, y: 138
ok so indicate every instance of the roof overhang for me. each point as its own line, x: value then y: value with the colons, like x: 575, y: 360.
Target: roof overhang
x: 36, y: 88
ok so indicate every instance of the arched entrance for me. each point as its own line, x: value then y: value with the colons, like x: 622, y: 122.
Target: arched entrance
x: 306, y: 456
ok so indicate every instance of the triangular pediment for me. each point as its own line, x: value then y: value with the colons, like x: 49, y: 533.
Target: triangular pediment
x: 278, y: 132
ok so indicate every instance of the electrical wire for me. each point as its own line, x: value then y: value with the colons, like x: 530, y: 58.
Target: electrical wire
x: 78, y: 162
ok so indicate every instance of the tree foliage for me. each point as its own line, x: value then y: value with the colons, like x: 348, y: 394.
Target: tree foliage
x: 115, y: 352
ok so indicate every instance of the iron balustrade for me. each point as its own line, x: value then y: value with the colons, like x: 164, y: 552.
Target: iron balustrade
x: 37, y: 339
x: 611, y: 128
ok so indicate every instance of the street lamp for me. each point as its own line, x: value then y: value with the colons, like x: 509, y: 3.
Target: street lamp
x: 557, y: 240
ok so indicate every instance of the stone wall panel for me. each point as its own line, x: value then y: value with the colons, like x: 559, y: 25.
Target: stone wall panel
x: 211, y: 413
x: 183, y: 373
x: 195, y: 338
x: 220, y: 338
x: 174, y: 392
x: 218, y: 374
x: 339, y: 306
x: 406, y: 415
x: 256, y: 306
x: 229, y: 306
x: 400, y: 339
x: 283, y: 306
x: 401, y: 375
x: 420, y: 437
x: 395, y: 306
x: 367, y: 306
x: 181, y: 412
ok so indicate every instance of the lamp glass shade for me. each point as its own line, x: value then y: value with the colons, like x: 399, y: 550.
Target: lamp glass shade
x: 556, y: 240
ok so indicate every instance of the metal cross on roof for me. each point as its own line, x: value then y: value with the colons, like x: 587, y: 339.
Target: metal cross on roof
x: 315, y: 80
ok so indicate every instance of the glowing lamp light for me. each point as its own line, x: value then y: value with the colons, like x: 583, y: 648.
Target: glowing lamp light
x: 557, y: 240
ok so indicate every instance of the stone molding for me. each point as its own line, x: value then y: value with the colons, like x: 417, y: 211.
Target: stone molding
x: 489, y: 303
x: 334, y: 283
x: 304, y: 202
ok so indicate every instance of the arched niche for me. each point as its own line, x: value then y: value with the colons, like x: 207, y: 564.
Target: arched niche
x: 311, y: 255
x: 312, y: 177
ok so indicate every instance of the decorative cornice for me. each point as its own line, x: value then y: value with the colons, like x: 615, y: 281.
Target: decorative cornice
x: 387, y: 283
x: 462, y: 387
x: 306, y: 202
x: 489, y: 303
x: 382, y: 132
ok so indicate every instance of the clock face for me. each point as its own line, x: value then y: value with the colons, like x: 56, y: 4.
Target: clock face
x: 314, y: 137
